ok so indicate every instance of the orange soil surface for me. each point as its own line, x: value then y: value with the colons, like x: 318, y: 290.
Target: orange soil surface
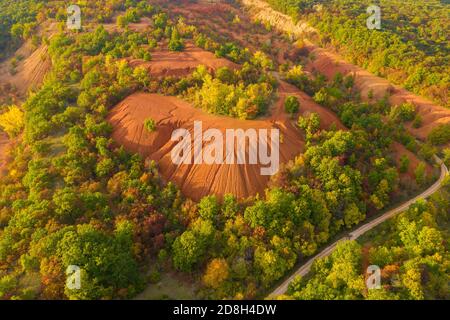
x: 329, y: 64
x: 170, y: 113
x: 137, y: 27
x: 4, y: 142
x: 169, y: 63
x: 30, y: 71
x: 198, y: 180
x: 195, y: 180
x: 307, y: 106
x: 400, y: 150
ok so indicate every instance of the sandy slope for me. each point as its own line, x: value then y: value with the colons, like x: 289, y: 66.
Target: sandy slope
x: 330, y: 63
x: 170, y: 113
x: 198, y: 180
x: 307, y: 105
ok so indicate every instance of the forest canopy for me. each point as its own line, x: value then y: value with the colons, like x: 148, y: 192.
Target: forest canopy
x: 412, y: 48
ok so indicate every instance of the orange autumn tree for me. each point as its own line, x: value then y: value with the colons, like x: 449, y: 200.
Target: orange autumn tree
x: 216, y: 273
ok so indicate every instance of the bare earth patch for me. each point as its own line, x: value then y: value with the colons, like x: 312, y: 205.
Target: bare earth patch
x: 329, y: 63
x: 171, y: 286
x: 195, y: 180
x: 178, y: 64
x: 414, y: 161
x: 30, y: 72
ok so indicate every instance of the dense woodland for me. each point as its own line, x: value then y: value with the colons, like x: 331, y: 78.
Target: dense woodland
x: 412, y: 48
x: 73, y: 197
x: 410, y: 250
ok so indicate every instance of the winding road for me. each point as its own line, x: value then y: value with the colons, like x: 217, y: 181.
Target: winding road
x: 304, y: 269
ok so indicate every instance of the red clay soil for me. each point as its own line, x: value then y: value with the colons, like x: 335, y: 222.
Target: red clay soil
x: 30, y: 71
x: 4, y: 142
x: 204, y: 7
x: 195, y: 180
x: 168, y: 63
x: 135, y: 26
x: 329, y: 64
x: 432, y: 114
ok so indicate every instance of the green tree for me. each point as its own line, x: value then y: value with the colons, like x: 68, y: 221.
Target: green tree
x: 291, y: 105
x: 430, y: 241
x: 403, y: 112
x: 208, y: 208
x: 187, y: 251
x: 420, y: 174
x: 107, y: 260
x: 440, y: 135
x: 176, y: 43
x: 352, y: 215
x: 404, y: 163
x: 311, y: 123
x: 67, y: 204
x: 446, y: 159
x: 150, y: 125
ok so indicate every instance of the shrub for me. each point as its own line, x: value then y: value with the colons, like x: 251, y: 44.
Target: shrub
x: 291, y: 105
x: 310, y: 123
x: 295, y: 75
x: 403, y: 112
x: 150, y: 125
x: 447, y: 156
x: 427, y: 151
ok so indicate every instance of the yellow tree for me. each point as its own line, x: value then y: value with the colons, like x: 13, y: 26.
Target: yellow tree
x: 12, y: 121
